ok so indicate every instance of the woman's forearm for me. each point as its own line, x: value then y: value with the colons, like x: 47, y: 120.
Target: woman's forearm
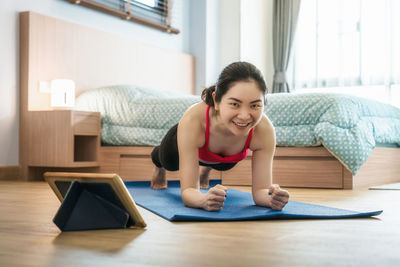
x: 193, y: 198
x: 261, y: 197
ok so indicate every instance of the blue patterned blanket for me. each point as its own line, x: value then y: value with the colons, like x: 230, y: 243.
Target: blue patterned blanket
x: 349, y: 127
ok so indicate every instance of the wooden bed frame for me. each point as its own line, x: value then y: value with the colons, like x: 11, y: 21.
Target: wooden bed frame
x: 312, y: 167
x: 51, y: 48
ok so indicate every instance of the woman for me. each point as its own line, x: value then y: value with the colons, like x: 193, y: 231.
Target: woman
x: 216, y: 134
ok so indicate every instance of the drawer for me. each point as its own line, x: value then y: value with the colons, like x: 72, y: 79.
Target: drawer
x: 317, y: 173
x: 292, y: 172
x: 86, y: 123
x: 136, y: 168
x: 141, y: 167
x: 238, y: 175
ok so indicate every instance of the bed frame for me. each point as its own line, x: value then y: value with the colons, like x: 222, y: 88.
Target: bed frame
x: 312, y: 167
x: 51, y: 48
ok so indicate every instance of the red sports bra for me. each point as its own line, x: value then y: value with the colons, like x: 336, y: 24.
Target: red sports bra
x: 207, y: 156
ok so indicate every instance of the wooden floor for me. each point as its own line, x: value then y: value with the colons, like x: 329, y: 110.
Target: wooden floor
x: 29, y: 238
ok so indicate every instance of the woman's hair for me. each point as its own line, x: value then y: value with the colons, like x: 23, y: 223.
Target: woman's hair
x: 235, y: 72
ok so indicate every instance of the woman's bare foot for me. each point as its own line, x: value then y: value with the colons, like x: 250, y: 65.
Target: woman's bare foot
x: 204, y: 172
x: 158, y: 181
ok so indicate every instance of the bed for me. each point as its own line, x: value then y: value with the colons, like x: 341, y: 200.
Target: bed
x: 348, y: 127
x: 309, y: 164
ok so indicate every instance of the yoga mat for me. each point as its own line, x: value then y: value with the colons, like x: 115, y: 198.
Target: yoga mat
x: 395, y: 186
x: 238, y: 206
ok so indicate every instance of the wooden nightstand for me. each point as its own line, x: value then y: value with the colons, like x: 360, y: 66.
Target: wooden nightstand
x: 63, y: 140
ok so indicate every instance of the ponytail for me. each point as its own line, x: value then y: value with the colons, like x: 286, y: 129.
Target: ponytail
x: 206, y: 95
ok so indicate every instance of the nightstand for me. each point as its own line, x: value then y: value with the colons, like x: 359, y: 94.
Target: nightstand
x: 63, y: 140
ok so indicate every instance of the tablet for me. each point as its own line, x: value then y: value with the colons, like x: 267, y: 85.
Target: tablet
x: 107, y: 186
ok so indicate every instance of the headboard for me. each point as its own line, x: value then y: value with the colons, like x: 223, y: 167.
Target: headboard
x: 54, y: 49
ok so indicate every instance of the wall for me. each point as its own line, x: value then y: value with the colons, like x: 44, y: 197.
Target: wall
x: 226, y: 31
x: 256, y: 36
x: 230, y: 32
x: 9, y: 50
x: 205, y: 37
x: 197, y: 42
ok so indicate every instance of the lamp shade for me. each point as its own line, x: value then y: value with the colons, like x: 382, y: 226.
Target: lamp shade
x: 62, y: 93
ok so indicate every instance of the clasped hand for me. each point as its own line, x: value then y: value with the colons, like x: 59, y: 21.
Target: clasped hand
x: 215, y: 198
x: 278, y: 197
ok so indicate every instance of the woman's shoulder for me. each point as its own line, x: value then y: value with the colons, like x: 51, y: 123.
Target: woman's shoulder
x: 263, y: 134
x: 264, y: 126
x: 193, y: 124
x: 196, y: 113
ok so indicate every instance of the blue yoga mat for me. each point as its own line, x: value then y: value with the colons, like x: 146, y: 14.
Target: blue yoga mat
x: 238, y: 206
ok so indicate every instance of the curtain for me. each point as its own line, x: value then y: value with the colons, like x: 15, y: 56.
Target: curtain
x: 346, y: 43
x: 284, y: 25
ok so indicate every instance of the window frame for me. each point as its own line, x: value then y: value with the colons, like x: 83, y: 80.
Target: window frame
x: 129, y: 10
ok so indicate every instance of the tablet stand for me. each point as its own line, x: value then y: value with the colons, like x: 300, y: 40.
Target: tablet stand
x: 82, y: 209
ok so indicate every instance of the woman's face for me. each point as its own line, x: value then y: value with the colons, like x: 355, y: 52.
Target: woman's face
x: 241, y: 107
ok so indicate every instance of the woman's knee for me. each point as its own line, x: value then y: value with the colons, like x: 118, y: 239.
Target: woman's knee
x: 164, y: 160
x: 155, y: 157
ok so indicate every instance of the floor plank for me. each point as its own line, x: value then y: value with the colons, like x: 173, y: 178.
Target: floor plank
x: 29, y: 238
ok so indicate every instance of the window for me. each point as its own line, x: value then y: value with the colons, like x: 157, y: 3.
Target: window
x: 153, y: 13
x: 342, y: 44
x: 156, y: 10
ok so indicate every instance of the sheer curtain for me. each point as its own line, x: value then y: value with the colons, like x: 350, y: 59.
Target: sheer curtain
x: 349, y: 45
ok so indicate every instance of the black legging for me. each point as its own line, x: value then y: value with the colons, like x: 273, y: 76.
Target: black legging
x: 166, y: 155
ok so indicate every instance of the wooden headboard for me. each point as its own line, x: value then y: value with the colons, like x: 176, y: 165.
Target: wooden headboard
x: 54, y: 49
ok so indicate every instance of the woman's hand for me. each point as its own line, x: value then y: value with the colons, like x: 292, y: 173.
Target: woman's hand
x: 215, y: 198
x: 279, y: 197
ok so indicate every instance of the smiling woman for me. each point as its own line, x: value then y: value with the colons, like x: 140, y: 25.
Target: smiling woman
x: 218, y: 133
